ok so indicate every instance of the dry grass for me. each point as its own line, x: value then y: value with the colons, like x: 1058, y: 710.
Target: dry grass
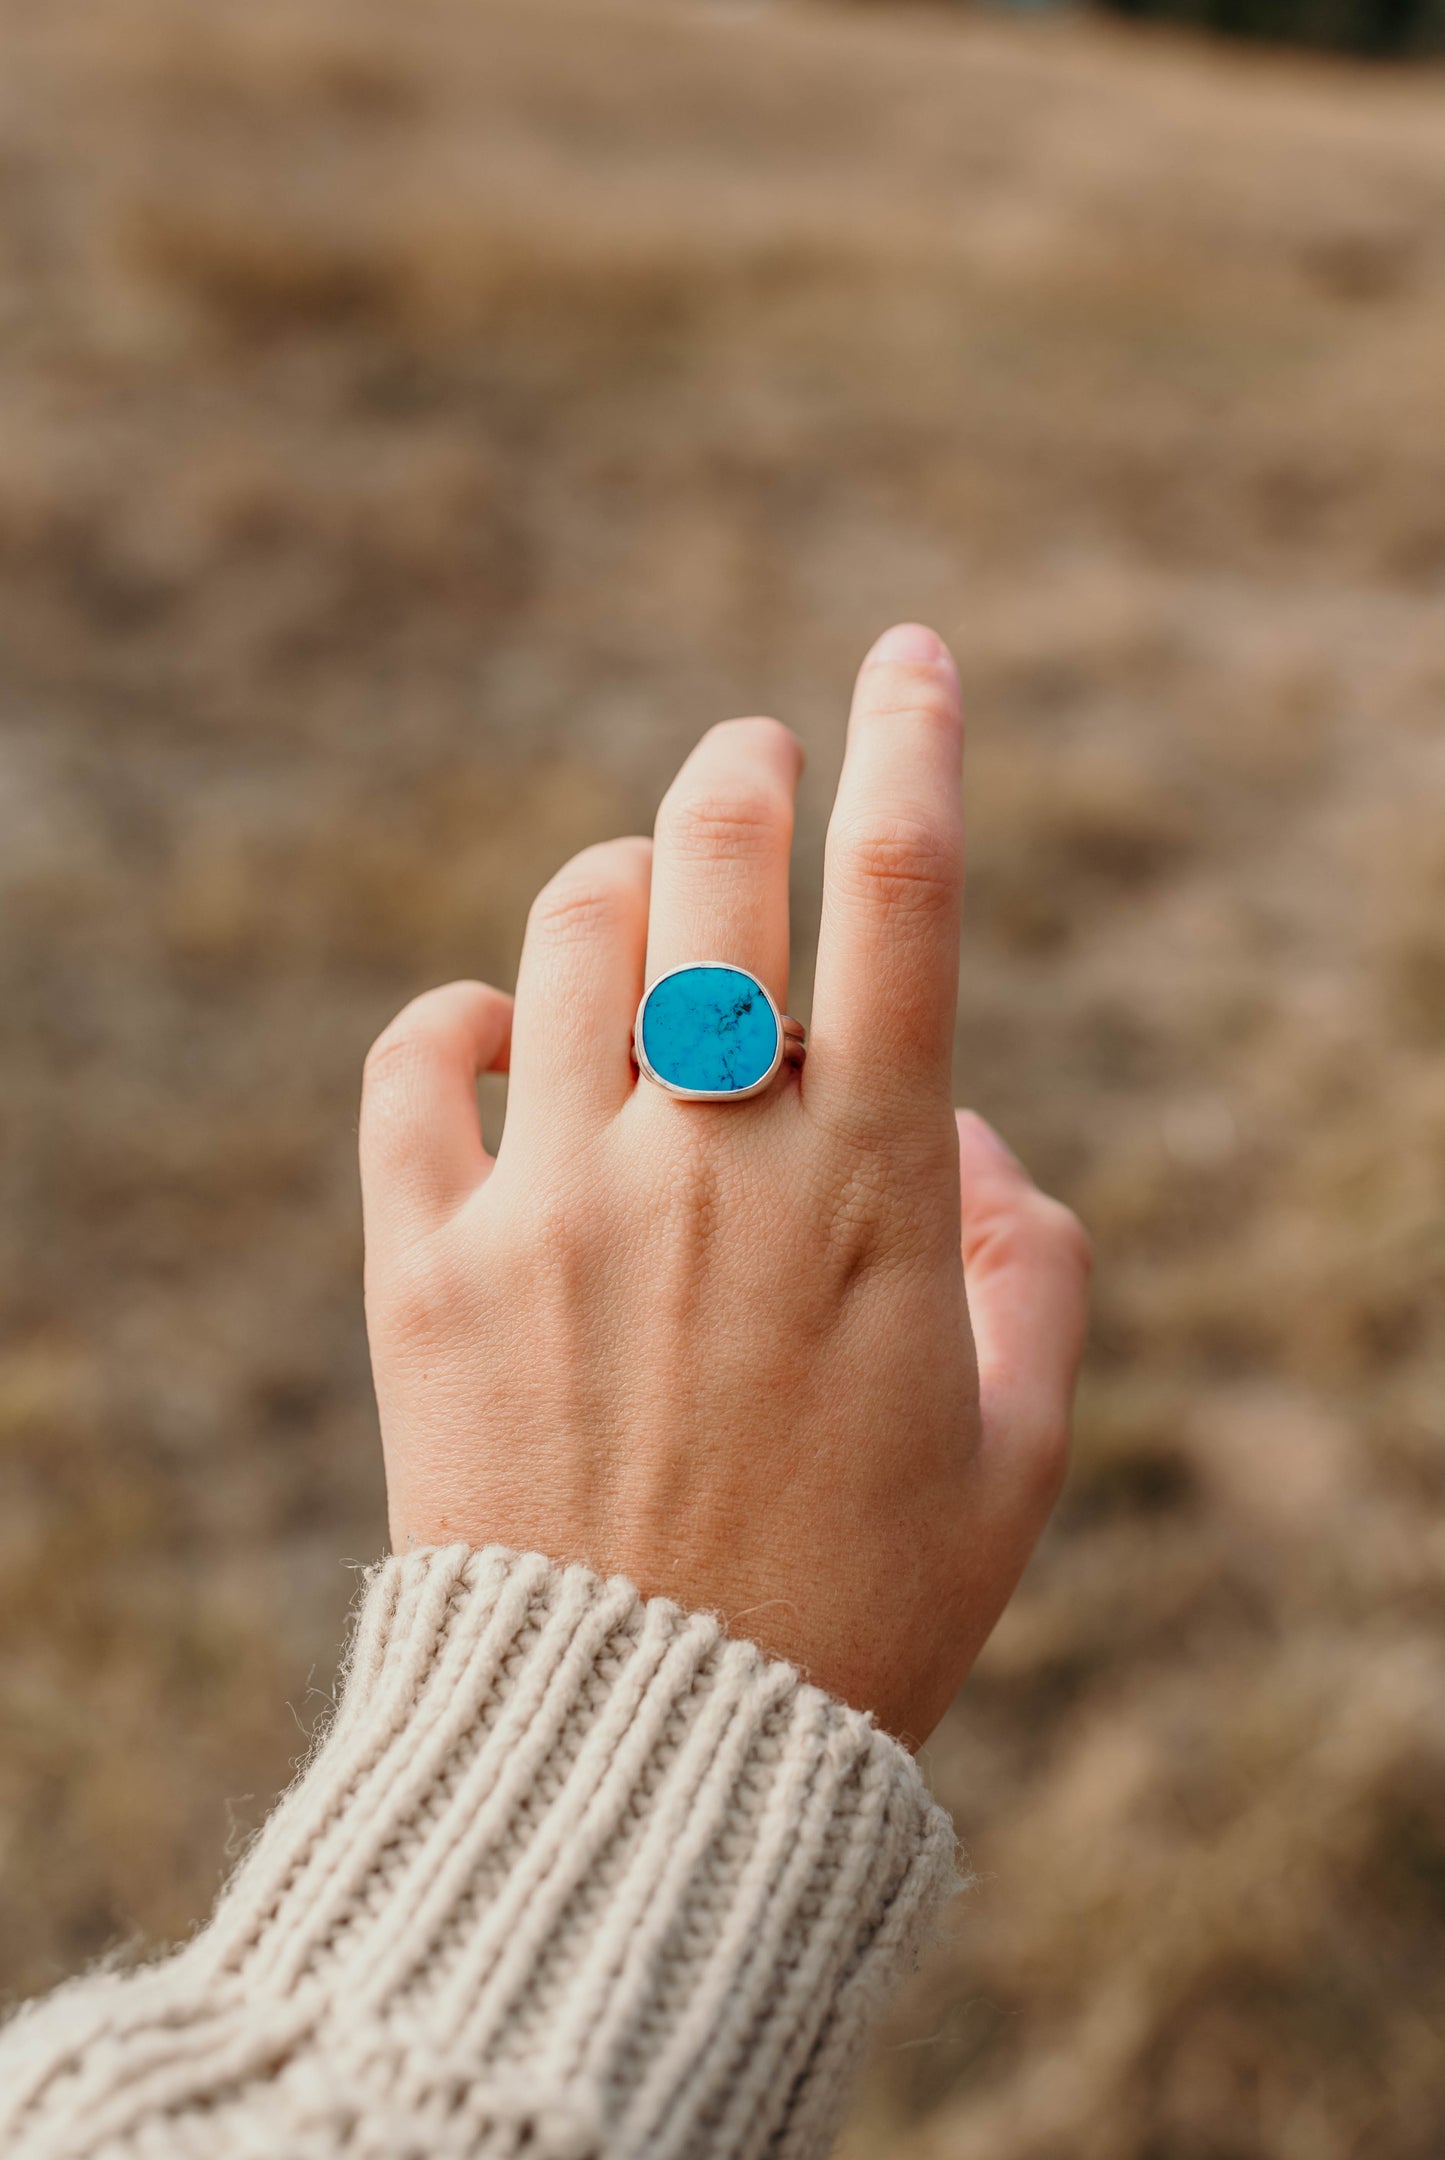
x: 415, y: 424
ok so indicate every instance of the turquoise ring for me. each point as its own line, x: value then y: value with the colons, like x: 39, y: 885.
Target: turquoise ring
x: 713, y: 1033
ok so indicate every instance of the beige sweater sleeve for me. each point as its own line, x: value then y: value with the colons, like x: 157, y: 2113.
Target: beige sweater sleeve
x: 572, y: 1876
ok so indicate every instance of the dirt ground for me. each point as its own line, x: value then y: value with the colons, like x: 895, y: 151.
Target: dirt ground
x: 416, y: 424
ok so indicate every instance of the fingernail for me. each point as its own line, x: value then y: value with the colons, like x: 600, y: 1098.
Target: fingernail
x: 912, y: 643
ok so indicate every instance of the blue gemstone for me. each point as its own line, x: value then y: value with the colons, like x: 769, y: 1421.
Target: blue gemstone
x: 710, y: 1029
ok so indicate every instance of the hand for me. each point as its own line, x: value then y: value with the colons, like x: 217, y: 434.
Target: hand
x: 725, y: 1349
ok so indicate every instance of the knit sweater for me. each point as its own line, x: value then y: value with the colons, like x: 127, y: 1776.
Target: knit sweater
x: 572, y: 1875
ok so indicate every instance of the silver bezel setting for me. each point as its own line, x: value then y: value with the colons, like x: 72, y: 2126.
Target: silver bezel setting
x: 729, y: 1095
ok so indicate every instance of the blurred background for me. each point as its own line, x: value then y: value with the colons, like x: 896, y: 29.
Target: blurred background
x: 416, y: 424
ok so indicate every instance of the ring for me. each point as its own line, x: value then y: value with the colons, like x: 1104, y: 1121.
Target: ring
x: 713, y: 1033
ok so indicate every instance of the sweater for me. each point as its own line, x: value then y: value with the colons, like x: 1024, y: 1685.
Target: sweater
x: 572, y: 1875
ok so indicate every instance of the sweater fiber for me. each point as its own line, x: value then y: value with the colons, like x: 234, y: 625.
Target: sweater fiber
x: 572, y: 1876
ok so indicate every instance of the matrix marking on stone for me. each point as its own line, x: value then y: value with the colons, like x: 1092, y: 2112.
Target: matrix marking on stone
x: 710, y: 1030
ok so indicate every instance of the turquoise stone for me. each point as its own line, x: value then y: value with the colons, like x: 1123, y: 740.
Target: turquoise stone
x: 710, y: 1029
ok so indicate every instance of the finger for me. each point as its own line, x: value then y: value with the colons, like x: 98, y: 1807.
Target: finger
x: 720, y: 870
x: 578, y: 988
x: 886, y: 993
x: 421, y: 1136
x: 1026, y: 1265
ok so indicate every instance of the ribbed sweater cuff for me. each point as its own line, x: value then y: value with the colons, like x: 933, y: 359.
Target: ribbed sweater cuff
x: 571, y: 1874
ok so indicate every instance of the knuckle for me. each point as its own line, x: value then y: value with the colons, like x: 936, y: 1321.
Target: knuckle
x: 424, y: 1027
x: 558, y: 1246
x: 998, y: 1241
x: 855, y: 1209
x: 554, y: 1219
x: 1026, y: 1231
x: 882, y: 1196
x: 904, y: 691
x: 413, y: 1303
x: 904, y: 864
x: 1067, y: 1234
x: 397, y: 1051
x: 579, y: 902
x: 745, y: 819
x: 391, y: 1135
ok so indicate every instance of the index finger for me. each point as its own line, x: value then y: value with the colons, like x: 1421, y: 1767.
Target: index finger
x: 885, y: 998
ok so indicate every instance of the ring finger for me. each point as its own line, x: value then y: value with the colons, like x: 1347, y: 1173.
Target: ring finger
x: 720, y: 861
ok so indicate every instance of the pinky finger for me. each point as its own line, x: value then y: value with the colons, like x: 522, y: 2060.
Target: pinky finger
x: 421, y: 1136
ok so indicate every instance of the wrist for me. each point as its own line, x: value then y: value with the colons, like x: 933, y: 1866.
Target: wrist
x: 552, y: 1815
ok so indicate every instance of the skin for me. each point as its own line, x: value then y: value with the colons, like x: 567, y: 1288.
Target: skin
x: 806, y: 1361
